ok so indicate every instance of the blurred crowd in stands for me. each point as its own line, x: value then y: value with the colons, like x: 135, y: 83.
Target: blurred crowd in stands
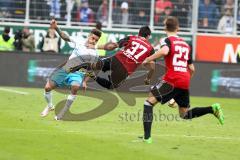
x: 212, y: 14
x: 23, y: 40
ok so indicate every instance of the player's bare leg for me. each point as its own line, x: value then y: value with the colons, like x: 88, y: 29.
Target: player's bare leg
x: 48, y: 97
x: 71, y: 97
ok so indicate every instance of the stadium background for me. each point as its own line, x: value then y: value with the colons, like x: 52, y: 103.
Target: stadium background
x: 215, y: 53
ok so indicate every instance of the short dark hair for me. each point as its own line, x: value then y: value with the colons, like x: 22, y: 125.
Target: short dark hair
x: 144, y: 31
x: 99, y: 25
x: 96, y: 32
x: 6, y: 29
x: 171, y: 24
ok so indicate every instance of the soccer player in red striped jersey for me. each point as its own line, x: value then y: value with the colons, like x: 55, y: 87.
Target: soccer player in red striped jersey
x: 134, y: 50
x: 175, y: 83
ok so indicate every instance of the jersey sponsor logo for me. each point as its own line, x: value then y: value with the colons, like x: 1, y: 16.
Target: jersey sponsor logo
x: 218, y: 49
x: 180, y: 69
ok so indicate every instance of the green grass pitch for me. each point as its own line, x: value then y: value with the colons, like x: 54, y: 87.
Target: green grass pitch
x: 24, y: 135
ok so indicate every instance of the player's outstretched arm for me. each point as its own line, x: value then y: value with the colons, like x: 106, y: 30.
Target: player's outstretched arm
x: 60, y: 33
x: 111, y: 45
x: 108, y: 46
x: 160, y: 53
x: 191, y: 69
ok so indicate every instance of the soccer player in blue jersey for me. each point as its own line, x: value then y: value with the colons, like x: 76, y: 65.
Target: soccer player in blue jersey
x: 62, y: 77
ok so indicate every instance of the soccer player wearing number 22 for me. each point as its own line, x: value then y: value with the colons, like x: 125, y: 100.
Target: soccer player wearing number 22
x: 175, y: 83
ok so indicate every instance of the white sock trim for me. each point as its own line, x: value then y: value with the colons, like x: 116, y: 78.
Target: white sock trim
x: 147, y: 103
x: 71, y: 97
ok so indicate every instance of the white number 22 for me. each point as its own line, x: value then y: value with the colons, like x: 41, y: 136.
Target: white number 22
x: 179, y: 53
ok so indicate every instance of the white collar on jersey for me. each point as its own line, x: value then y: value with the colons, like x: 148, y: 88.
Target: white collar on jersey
x: 173, y: 36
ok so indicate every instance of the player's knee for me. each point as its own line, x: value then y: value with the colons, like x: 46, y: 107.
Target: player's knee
x: 48, y: 88
x: 74, y: 89
x: 183, y: 113
x: 152, y: 100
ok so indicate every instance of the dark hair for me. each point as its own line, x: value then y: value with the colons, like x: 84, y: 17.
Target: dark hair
x: 171, y: 24
x: 96, y: 32
x: 6, y: 29
x: 99, y: 25
x: 144, y: 31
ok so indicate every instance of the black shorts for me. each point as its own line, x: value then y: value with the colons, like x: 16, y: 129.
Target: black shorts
x: 118, y: 71
x: 164, y: 91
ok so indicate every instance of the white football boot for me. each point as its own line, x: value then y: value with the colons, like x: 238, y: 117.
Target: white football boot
x: 46, y: 111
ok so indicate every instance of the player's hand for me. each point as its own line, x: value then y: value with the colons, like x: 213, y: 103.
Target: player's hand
x: 53, y: 24
x: 84, y: 85
x: 147, y: 81
x: 145, y: 61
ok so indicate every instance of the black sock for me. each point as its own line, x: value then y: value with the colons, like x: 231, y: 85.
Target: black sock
x: 197, y: 112
x: 104, y: 82
x: 147, y: 119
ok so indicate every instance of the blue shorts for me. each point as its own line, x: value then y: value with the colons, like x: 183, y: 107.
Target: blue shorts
x: 61, y: 78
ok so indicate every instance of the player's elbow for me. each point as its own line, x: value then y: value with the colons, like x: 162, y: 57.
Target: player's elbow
x: 192, y: 68
x: 163, y: 51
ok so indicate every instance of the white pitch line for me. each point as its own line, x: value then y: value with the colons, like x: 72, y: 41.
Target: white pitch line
x: 13, y: 91
x: 162, y: 135
x: 123, y: 133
